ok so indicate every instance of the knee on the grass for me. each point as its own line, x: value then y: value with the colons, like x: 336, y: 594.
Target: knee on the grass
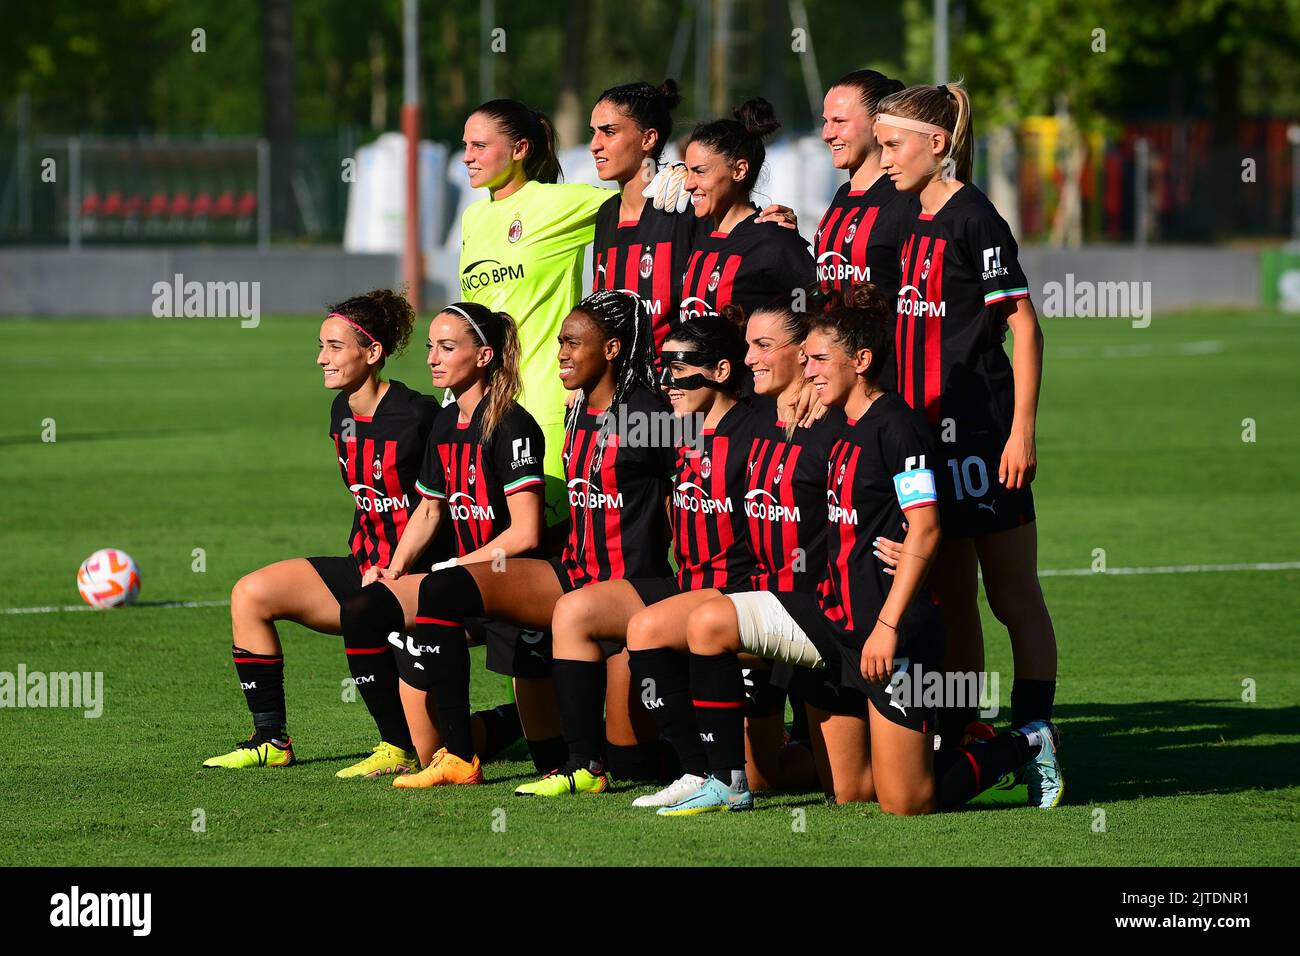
x: 711, y: 628
x: 907, y: 803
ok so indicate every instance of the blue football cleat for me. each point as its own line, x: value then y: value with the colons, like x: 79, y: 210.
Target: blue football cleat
x: 1043, y: 773
x: 712, y: 795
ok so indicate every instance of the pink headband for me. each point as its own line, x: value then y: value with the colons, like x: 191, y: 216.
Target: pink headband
x: 902, y: 122
x: 340, y: 315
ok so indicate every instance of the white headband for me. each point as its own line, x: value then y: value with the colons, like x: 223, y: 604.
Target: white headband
x: 902, y: 122
x: 459, y: 311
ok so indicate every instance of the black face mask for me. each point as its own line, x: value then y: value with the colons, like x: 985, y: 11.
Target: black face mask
x: 690, y: 382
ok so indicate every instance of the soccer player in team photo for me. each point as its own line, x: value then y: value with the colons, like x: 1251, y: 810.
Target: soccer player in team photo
x: 963, y: 289
x: 482, y: 475
x: 379, y: 429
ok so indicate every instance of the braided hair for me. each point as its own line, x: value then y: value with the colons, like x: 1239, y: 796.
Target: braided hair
x: 650, y: 107
x: 619, y: 315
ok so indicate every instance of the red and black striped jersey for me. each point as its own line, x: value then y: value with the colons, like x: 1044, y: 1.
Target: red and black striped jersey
x: 474, y: 477
x: 957, y: 265
x: 710, y: 538
x: 857, y: 239
x: 878, y: 470
x: 785, y: 498
x: 751, y: 265
x: 646, y: 256
x: 619, y: 519
x: 379, y: 458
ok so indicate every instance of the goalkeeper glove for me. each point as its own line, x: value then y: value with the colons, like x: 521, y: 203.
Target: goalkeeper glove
x: 667, y: 191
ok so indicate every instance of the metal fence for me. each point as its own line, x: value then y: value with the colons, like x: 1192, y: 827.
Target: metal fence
x: 106, y: 191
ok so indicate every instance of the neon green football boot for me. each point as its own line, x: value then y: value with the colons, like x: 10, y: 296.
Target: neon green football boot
x: 563, y: 783
x: 384, y: 761
x: 255, y: 752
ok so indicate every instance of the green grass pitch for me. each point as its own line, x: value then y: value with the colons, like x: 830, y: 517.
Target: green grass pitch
x: 174, y: 435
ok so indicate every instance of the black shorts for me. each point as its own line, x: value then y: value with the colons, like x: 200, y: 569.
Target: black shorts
x: 971, y: 501
x: 341, y: 575
x: 822, y: 688
x: 654, y: 590
x: 512, y: 650
x: 562, y: 573
x: 920, y: 644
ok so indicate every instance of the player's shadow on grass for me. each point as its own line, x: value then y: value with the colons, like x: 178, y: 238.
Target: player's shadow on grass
x: 1164, y: 748
x: 34, y: 438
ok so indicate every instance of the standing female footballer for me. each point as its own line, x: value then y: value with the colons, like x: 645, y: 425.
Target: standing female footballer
x: 616, y: 491
x: 379, y: 429
x: 703, y: 376
x: 638, y: 247
x: 857, y: 238
x: 481, y: 473
x: 642, y: 246
x: 963, y: 288
x: 742, y: 260
x: 875, y: 632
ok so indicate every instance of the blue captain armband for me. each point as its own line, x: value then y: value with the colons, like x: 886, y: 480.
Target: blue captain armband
x: 915, y: 488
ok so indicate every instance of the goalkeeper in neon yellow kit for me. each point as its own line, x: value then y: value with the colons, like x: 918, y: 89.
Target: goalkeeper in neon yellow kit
x: 522, y: 252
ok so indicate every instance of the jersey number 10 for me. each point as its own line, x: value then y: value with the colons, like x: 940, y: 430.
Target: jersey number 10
x: 969, y: 477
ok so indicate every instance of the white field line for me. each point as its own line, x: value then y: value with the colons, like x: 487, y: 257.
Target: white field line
x: 1171, y: 569
x: 1044, y: 573
x: 164, y: 605
x: 1141, y: 350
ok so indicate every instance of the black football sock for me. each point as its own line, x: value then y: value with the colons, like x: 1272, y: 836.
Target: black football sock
x: 447, y: 597
x: 667, y: 697
x: 367, y: 618
x: 718, y: 693
x: 1031, y: 700
x: 451, y: 687
x: 580, y: 694
x: 550, y: 753
x: 952, y: 723
x: 799, y: 732
x: 635, y: 761
x: 501, y: 728
x: 961, y: 775
x: 262, y: 678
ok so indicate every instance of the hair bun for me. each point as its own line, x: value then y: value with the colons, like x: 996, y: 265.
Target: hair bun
x: 757, y: 116
x: 669, y: 94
